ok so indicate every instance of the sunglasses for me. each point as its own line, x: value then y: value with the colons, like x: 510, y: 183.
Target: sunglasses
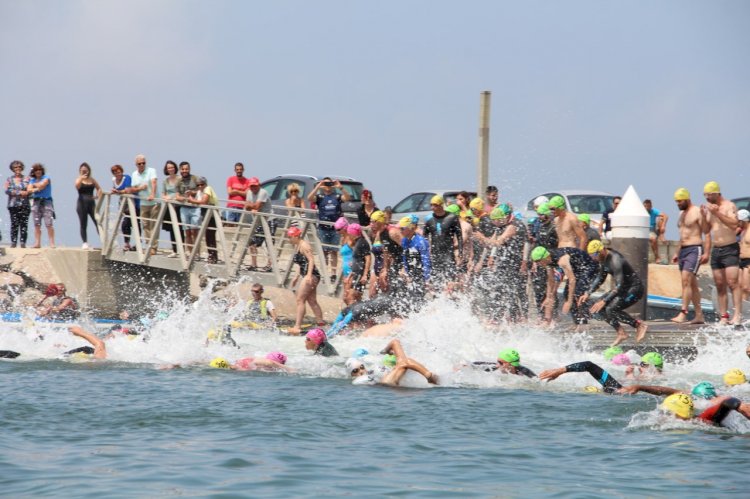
x: 355, y: 371
x: 140, y: 164
x: 257, y: 291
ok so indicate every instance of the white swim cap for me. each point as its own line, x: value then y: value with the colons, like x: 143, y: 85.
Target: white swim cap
x: 540, y: 200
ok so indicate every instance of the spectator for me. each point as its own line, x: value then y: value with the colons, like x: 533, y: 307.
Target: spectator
x: 121, y: 184
x: 329, y: 210
x: 605, y: 227
x: 366, y: 209
x: 189, y: 214
x: 206, y: 196
x: 169, y: 193
x: 490, y: 198
x: 237, y: 187
x: 260, y: 309
x: 463, y: 199
x: 42, y: 208
x: 258, y: 201
x: 18, y: 204
x: 88, y: 189
x: 658, y: 227
x: 144, y: 186
x: 294, y: 200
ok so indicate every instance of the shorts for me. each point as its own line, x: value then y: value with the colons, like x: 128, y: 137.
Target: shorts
x: 328, y: 236
x: 42, y: 209
x: 725, y: 256
x: 744, y: 263
x: 689, y: 258
x: 190, y: 216
x: 259, y: 238
x: 233, y: 216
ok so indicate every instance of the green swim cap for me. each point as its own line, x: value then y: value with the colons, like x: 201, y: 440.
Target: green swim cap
x: 501, y: 211
x: 389, y: 360
x: 543, y: 209
x: 453, y: 208
x: 585, y: 218
x: 557, y: 202
x: 705, y: 390
x: 539, y: 253
x: 653, y: 358
x: 610, y: 352
x: 510, y: 356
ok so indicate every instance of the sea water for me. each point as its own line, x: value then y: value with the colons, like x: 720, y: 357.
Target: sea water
x: 139, y: 425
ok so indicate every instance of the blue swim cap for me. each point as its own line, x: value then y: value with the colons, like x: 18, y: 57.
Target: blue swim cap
x: 705, y: 390
x: 360, y: 352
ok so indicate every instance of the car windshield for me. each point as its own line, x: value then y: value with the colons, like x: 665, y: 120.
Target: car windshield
x: 742, y: 203
x: 354, y: 189
x: 591, y: 204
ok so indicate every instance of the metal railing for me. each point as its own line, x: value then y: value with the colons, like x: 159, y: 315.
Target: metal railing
x: 227, y: 256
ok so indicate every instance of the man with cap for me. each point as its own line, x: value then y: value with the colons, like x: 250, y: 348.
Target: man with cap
x: 722, y: 223
x: 542, y: 233
x: 330, y: 209
x: 743, y: 217
x: 570, y: 234
x: 580, y: 271
x: 388, y: 376
x: 508, y: 362
x: 627, y: 289
x: 657, y: 226
x: 591, y: 233
x: 694, y: 251
x: 416, y: 261
x: 257, y: 200
x: 508, y: 298
x: 443, y: 231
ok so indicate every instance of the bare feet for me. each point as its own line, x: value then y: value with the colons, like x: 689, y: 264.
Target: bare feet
x: 621, y: 336
x: 640, y: 331
x: 698, y: 319
x: 679, y: 318
x: 294, y: 331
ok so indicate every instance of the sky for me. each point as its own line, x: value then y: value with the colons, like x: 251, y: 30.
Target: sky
x: 585, y: 94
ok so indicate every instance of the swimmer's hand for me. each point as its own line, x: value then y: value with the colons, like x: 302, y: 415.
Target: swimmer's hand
x: 551, y: 374
x: 597, y: 306
x: 628, y: 390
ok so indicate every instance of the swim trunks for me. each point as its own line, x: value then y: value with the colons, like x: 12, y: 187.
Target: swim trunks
x: 744, y: 263
x: 689, y: 258
x: 725, y: 256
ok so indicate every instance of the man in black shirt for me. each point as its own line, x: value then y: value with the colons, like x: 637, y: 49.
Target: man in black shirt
x: 443, y: 231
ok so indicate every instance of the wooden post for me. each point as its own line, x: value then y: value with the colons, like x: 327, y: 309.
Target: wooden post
x: 484, y: 143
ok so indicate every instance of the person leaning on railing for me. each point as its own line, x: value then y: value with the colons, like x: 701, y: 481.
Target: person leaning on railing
x: 169, y: 193
x: 206, y: 196
x: 121, y: 184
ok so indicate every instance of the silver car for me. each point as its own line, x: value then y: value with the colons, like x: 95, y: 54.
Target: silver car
x: 418, y: 203
x: 592, y: 202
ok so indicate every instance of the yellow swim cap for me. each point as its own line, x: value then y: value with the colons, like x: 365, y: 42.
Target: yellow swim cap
x: 212, y: 335
x: 377, y: 216
x: 437, y: 199
x: 405, y: 222
x: 679, y: 404
x: 219, y: 363
x: 592, y: 389
x: 711, y: 187
x: 682, y: 194
x: 734, y: 377
x: 595, y: 246
x: 476, y: 204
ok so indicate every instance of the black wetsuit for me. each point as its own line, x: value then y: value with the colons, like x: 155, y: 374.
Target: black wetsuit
x: 717, y: 412
x: 396, y: 284
x: 512, y: 301
x: 542, y: 234
x: 359, y: 254
x: 303, y: 263
x: 584, y: 269
x: 442, y: 231
x: 627, y: 289
x: 483, y: 285
x: 326, y: 350
x: 609, y: 384
x: 8, y: 354
x: 85, y: 208
x: 369, y: 309
x: 493, y: 366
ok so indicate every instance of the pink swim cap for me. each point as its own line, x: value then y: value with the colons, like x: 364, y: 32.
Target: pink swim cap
x: 276, y: 357
x: 316, y: 335
x: 341, y: 223
x: 621, y: 359
x: 245, y: 364
x: 354, y: 230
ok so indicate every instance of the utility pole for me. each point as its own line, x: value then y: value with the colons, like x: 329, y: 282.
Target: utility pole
x: 484, y: 143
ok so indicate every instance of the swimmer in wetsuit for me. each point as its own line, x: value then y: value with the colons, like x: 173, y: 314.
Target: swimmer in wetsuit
x: 627, y: 290
x: 97, y: 350
x: 273, y: 361
x: 392, y: 377
x: 316, y: 340
x: 508, y: 361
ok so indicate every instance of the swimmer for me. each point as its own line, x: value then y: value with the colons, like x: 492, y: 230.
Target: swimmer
x: 681, y: 406
x: 316, y: 340
x: 609, y: 384
x: 391, y: 377
x: 734, y: 377
x: 651, y: 366
x: 273, y: 361
x: 97, y: 349
x: 508, y: 362
x: 223, y: 336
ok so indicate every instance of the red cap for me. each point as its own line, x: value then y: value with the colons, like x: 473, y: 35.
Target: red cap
x: 52, y: 290
x: 253, y: 181
x: 294, y: 232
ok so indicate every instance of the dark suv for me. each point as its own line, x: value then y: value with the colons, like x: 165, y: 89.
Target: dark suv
x: 742, y: 203
x: 277, y: 190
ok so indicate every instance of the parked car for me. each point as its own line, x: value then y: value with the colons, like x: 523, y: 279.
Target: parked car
x: 418, y: 203
x: 742, y: 203
x: 277, y: 190
x: 592, y: 202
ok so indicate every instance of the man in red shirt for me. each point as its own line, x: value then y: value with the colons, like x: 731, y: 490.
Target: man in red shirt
x: 237, y: 186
